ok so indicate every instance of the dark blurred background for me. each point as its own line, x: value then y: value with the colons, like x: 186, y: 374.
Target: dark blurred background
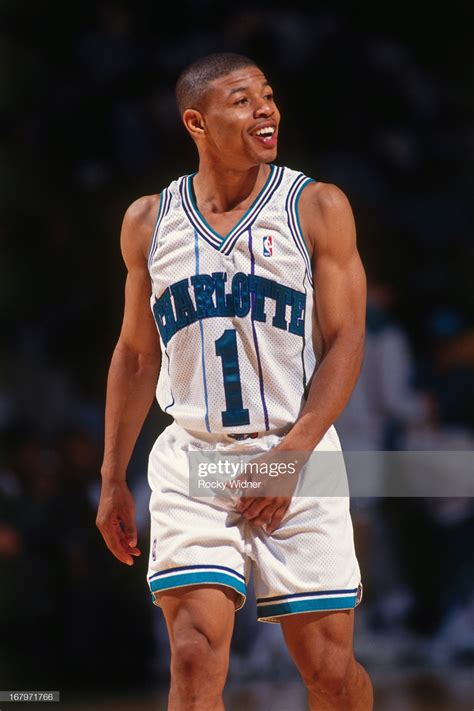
x: 379, y: 102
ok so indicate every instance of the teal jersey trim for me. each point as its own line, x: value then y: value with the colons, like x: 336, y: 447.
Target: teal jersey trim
x: 155, y: 230
x: 237, y: 225
x: 193, y: 577
x: 197, y: 211
x: 297, y: 198
x: 201, y: 330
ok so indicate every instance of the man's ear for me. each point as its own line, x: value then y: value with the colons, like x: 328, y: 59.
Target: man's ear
x: 194, y: 122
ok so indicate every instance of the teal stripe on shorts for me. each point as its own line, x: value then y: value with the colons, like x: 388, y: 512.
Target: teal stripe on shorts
x: 292, y: 607
x: 194, y: 577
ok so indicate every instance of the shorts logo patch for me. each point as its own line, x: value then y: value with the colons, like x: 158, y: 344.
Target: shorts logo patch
x: 153, y: 550
x: 267, y: 246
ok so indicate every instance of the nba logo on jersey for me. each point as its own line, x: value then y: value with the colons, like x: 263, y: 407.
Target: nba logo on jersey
x: 268, y: 246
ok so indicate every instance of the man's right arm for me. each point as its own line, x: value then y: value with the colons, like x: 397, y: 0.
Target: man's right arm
x: 131, y: 383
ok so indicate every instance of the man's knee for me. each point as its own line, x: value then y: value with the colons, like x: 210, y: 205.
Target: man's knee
x: 329, y: 675
x: 193, y: 657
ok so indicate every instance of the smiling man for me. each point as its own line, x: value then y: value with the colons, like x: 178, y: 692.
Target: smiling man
x: 256, y: 332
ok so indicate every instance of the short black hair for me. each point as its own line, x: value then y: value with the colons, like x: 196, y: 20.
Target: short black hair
x: 193, y: 81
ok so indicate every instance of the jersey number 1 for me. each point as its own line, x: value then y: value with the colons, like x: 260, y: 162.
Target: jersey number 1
x: 226, y: 348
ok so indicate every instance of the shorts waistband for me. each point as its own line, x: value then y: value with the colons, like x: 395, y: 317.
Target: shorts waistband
x: 236, y: 436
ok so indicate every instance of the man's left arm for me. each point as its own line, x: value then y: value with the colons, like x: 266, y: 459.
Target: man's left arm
x: 340, y: 293
x: 340, y: 301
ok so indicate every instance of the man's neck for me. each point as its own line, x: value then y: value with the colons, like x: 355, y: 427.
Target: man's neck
x: 223, y: 189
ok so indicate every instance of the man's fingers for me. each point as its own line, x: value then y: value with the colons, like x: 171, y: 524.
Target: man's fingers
x: 254, y: 509
x: 265, y: 515
x: 244, y: 502
x: 117, y: 548
x: 117, y: 544
x: 129, y: 540
x: 135, y: 551
x: 129, y: 534
x: 277, y: 518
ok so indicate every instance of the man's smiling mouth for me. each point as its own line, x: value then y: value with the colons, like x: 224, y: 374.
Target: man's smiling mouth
x: 266, y: 135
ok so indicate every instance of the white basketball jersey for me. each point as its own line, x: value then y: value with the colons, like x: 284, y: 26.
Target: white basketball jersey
x: 234, y: 312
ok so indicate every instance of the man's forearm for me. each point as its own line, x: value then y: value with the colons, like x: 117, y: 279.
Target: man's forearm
x: 330, y: 391
x: 131, y: 386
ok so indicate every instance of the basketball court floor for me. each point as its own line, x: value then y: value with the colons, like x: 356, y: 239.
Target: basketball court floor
x: 445, y: 689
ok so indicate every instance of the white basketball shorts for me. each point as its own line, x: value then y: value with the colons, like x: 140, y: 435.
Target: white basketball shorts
x: 307, y: 564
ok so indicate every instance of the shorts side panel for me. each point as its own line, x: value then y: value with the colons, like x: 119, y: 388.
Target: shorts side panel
x: 193, y: 540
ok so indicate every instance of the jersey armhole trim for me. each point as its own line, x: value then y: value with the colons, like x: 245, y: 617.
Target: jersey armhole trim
x: 298, y: 223
x: 159, y: 217
x: 294, y: 223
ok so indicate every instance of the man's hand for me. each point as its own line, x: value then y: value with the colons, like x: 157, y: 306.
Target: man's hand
x: 269, y: 510
x: 116, y: 520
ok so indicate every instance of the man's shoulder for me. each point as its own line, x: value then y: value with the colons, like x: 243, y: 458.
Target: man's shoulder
x: 316, y: 193
x: 322, y: 207
x: 324, y: 197
x: 323, y: 204
x: 142, y: 208
x: 138, y: 226
x: 140, y: 221
x: 146, y: 207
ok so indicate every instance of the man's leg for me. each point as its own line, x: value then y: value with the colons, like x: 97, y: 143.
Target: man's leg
x: 320, y: 644
x: 200, y: 621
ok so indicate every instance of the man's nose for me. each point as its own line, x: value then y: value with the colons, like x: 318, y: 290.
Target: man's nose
x: 265, y: 108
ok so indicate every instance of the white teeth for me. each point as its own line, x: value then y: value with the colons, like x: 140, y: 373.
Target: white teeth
x: 267, y: 131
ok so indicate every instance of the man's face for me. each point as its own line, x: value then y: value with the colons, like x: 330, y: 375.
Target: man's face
x: 241, y: 118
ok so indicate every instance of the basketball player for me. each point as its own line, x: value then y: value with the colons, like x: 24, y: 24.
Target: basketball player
x: 256, y: 331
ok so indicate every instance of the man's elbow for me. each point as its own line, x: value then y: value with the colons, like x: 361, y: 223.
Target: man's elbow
x: 137, y: 356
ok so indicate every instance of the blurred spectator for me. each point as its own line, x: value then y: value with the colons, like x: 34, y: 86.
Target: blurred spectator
x: 384, y: 397
x: 383, y: 407
x: 449, y: 372
x: 32, y: 561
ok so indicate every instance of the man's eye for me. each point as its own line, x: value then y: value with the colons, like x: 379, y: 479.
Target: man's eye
x: 269, y: 97
x: 242, y: 100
